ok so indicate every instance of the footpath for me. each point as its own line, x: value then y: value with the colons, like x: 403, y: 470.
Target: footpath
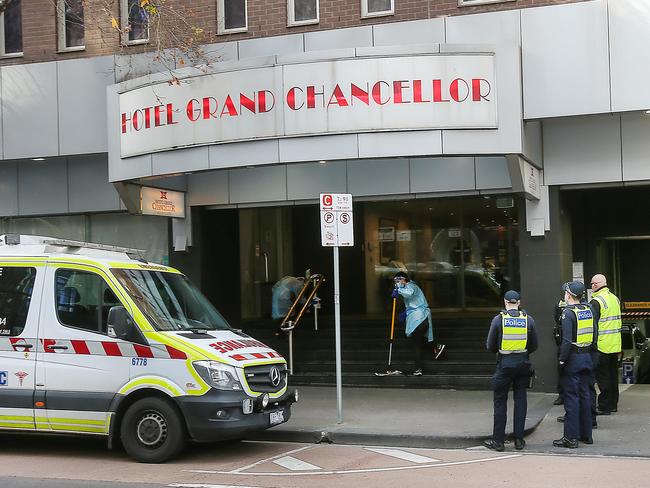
x: 454, y: 419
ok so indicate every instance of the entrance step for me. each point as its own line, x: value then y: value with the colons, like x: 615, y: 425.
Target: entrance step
x: 465, y: 364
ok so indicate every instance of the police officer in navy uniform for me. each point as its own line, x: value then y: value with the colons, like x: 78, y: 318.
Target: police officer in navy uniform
x: 577, y: 368
x: 557, y: 336
x: 513, y: 336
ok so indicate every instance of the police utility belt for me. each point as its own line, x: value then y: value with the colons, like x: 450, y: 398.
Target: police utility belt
x: 580, y: 350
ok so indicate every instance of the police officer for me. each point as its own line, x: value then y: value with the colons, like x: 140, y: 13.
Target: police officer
x: 607, y: 314
x: 575, y: 360
x: 513, y: 336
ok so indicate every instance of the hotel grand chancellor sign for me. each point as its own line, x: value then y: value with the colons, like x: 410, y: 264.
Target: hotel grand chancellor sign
x: 454, y: 91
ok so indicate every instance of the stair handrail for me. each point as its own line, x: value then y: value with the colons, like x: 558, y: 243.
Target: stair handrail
x: 315, y: 281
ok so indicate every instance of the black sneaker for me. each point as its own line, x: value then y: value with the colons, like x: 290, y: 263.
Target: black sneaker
x: 417, y: 372
x: 564, y: 442
x: 603, y: 412
x: 520, y: 444
x: 587, y: 440
x: 495, y: 446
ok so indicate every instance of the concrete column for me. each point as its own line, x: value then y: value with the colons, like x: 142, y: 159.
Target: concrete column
x: 545, y: 264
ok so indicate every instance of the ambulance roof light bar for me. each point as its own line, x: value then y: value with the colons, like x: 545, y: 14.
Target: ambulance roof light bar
x: 16, y: 239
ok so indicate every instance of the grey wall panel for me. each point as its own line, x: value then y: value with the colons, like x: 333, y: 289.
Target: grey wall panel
x: 316, y: 148
x: 307, y: 181
x: 180, y: 160
x: 378, y: 177
x: 29, y: 111
x: 338, y: 38
x: 408, y: 143
x: 130, y: 168
x: 82, y: 104
x: 88, y: 186
x: 636, y: 146
x: 269, y: 46
x: 508, y: 137
x: 442, y: 174
x: 221, y: 52
x: 565, y: 59
x: 493, y: 27
x: 261, y: 184
x: 429, y: 31
x: 208, y: 188
x: 533, y: 141
x: 492, y: 173
x: 128, y: 67
x: 629, y: 37
x: 8, y: 189
x: 582, y: 150
x: 243, y: 153
x: 43, y: 187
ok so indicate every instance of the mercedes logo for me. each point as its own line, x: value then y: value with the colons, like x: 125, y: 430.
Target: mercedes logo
x: 275, y: 376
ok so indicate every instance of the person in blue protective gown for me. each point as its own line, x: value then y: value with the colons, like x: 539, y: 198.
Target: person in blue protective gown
x: 285, y: 292
x: 417, y: 319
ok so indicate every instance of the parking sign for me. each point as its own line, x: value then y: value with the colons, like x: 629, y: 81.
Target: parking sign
x: 336, y: 220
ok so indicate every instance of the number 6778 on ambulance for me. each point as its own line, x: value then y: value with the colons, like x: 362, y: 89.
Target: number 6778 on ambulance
x: 95, y: 342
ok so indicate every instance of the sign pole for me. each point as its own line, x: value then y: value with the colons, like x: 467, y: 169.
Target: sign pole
x: 337, y: 328
x: 337, y: 229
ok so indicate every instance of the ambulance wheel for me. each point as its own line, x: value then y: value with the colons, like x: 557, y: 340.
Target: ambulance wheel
x: 152, y: 431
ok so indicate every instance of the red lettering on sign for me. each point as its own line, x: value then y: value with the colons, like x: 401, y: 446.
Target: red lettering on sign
x: 291, y: 98
x: 327, y: 200
x: 376, y: 93
x: 398, y: 87
x: 359, y: 94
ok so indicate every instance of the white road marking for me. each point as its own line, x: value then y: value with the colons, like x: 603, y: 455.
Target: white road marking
x: 368, y: 470
x: 404, y: 455
x: 295, y: 464
x: 200, y: 485
x: 262, y: 461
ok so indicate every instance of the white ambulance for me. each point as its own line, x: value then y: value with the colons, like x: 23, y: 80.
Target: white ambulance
x: 93, y: 341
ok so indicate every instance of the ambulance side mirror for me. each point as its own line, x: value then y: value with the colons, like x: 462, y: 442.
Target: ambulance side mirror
x: 121, y: 326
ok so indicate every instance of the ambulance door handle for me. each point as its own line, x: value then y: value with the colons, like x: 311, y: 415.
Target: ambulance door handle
x: 57, y: 347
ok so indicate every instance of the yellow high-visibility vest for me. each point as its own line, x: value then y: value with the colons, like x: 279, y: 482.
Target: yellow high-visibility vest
x: 514, y: 333
x: 609, y: 323
x: 585, y: 325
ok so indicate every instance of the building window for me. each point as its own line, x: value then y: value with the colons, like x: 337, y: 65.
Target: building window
x: 376, y: 8
x: 469, y: 3
x: 11, y: 24
x: 302, y: 12
x: 232, y: 16
x: 135, y: 22
x: 70, y: 16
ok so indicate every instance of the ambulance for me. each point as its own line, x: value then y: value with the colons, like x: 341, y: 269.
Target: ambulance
x: 95, y: 340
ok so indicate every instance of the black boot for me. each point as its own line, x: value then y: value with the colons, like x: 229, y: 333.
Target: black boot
x: 564, y: 442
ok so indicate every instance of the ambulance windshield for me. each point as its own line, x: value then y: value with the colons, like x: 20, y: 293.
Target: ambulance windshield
x: 170, y: 301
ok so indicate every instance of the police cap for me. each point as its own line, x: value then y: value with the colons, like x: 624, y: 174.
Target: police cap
x: 575, y: 288
x: 511, y: 296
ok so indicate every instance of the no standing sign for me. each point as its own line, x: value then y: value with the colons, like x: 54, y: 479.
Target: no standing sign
x: 336, y: 222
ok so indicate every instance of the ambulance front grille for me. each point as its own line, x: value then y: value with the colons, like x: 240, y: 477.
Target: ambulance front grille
x: 259, y: 377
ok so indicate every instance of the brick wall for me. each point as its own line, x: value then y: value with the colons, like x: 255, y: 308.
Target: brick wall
x: 265, y: 18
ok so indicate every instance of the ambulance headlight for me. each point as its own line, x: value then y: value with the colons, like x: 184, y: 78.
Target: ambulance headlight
x: 218, y: 375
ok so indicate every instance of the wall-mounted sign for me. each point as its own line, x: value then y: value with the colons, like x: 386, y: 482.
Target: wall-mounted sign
x: 451, y: 91
x: 166, y: 203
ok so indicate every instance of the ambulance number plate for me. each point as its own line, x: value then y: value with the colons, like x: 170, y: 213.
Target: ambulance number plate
x: 276, y: 417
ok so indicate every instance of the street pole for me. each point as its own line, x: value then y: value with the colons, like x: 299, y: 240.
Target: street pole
x: 337, y: 329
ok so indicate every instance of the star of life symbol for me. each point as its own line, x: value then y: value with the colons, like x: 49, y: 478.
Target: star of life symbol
x: 21, y: 376
x: 163, y: 195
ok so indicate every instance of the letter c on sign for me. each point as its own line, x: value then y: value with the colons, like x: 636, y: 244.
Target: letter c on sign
x: 327, y: 200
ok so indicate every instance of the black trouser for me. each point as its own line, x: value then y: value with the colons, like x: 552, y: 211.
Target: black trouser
x: 419, y: 341
x: 607, y: 378
x: 517, y: 377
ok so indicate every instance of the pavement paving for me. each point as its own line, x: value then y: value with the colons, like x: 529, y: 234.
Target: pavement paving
x: 454, y: 419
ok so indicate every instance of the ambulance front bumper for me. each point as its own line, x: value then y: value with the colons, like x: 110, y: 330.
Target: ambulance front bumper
x: 219, y: 415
